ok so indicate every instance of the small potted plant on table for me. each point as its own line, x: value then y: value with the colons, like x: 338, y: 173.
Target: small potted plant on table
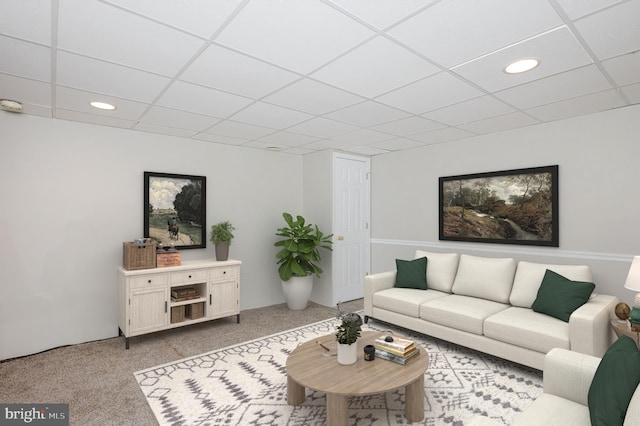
x: 347, y: 334
x: 221, y: 236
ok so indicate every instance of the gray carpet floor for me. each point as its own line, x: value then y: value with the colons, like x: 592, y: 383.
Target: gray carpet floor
x: 96, y: 378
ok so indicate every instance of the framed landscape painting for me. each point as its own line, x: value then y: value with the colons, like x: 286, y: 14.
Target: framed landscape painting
x: 506, y: 207
x: 175, y: 209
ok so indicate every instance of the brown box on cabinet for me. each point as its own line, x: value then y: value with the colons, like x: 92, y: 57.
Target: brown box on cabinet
x: 138, y: 256
x: 168, y: 259
x: 195, y: 310
x: 177, y: 314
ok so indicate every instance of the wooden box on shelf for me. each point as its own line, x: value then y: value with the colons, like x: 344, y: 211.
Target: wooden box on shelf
x: 138, y: 255
x: 168, y: 258
x: 177, y: 314
x: 194, y: 310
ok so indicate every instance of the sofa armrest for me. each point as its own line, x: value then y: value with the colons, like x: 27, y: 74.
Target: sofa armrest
x: 589, y: 326
x: 568, y: 374
x: 374, y: 283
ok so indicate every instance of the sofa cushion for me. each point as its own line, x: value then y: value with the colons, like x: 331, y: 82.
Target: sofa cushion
x: 460, y: 312
x: 441, y: 269
x: 559, y: 296
x: 528, y: 329
x: 404, y: 301
x: 411, y: 273
x: 614, y: 383
x: 529, y: 277
x: 632, y: 418
x: 484, y: 277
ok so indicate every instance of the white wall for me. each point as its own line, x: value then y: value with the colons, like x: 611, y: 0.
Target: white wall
x: 72, y: 193
x: 599, y: 198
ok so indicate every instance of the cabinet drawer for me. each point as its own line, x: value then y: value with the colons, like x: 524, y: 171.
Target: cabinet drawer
x: 149, y: 280
x: 229, y: 271
x: 189, y: 277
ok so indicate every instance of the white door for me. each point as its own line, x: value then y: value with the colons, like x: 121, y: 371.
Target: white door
x: 351, y: 216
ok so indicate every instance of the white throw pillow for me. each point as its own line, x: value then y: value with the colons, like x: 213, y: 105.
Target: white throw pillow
x: 441, y: 269
x: 529, y: 277
x: 484, y: 277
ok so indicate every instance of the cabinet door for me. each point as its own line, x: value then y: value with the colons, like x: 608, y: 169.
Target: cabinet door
x: 223, y: 299
x: 148, y: 310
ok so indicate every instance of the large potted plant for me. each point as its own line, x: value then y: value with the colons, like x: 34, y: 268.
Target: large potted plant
x: 347, y: 334
x: 298, y: 258
x: 221, y: 236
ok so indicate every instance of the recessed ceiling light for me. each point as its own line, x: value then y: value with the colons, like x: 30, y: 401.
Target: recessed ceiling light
x: 9, y: 105
x: 101, y: 105
x: 273, y: 148
x: 521, y: 65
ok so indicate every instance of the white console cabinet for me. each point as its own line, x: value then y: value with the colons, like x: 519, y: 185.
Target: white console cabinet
x: 162, y: 298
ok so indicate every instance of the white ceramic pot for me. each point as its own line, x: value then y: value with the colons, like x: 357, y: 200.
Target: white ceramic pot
x: 347, y: 354
x: 297, y: 291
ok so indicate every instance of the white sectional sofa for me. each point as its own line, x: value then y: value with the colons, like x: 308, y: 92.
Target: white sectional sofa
x: 486, y: 304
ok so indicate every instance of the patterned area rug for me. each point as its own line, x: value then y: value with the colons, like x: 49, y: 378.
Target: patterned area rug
x: 246, y: 384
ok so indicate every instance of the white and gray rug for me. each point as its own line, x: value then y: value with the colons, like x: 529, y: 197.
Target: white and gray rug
x: 246, y: 384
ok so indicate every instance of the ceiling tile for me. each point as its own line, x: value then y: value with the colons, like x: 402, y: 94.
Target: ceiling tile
x: 297, y: 151
x: 236, y: 129
x: 376, y: 67
x: 558, y: 51
x: 362, y: 137
x: 295, y: 35
x: 367, y: 114
x: 581, y: 105
x: 312, y: 97
x: 267, y: 115
x: 25, y: 90
x: 498, y: 124
x: 202, y: 100
x: 558, y: 87
x: 408, y: 126
x: 39, y: 110
x: 288, y: 139
x: 471, y: 110
x: 431, y: 93
x: 396, y: 144
x: 84, y: 73
x: 632, y: 92
x: 227, y: 140
x: 95, y: 29
x: 479, y: 27
x: 624, y: 69
x: 365, y: 150
x: 164, y: 130
x: 443, y: 135
x: 26, y: 19
x: 614, y: 31
x: 78, y: 100
x: 577, y: 8
x: 328, y: 144
x: 178, y: 119
x: 198, y: 17
x: 223, y: 69
x: 26, y: 59
x: 101, y: 120
x: 381, y: 13
x: 322, y: 127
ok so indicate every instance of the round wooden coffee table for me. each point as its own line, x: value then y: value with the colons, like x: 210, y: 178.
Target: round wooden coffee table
x: 308, y: 367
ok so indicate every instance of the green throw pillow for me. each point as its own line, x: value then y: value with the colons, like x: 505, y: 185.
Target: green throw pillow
x: 411, y: 273
x: 559, y: 296
x: 614, y: 383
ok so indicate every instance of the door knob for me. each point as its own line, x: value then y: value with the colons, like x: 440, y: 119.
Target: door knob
x: 340, y: 237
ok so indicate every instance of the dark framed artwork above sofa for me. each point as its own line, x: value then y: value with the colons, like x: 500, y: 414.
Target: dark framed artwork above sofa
x: 175, y: 209
x: 506, y: 207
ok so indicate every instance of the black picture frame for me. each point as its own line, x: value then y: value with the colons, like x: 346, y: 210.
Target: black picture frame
x: 175, y: 200
x: 517, y: 206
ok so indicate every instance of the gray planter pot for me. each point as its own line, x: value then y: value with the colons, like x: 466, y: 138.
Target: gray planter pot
x: 222, y: 251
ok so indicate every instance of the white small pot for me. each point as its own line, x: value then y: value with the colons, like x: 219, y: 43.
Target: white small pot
x: 347, y: 354
x: 297, y: 291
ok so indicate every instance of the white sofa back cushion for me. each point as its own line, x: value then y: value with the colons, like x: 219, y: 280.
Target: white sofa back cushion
x: 484, y: 277
x: 441, y: 269
x: 529, y: 277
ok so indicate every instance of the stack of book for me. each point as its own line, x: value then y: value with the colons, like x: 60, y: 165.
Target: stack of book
x: 180, y: 294
x: 398, y: 350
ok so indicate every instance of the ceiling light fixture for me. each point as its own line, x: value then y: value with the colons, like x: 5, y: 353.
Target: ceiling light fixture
x: 9, y: 105
x: 102, y: 105
x: 273, y: 148
x: 521, y: 65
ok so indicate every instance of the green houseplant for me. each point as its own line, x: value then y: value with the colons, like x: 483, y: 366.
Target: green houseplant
x: 347, y: 334
x: 221, y: 236
x: 299, y: 258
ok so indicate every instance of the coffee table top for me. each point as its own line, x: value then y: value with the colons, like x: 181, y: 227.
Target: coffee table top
x: 308, y: 366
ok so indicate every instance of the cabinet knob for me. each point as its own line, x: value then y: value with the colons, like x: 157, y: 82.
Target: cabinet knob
x: 149, y: 281
x: 224, y: 272
x: 189, y: 276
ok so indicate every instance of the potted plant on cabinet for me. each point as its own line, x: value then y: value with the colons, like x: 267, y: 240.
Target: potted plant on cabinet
x: 298, y: 258
x: 347, y: 333
x: 221, y: 236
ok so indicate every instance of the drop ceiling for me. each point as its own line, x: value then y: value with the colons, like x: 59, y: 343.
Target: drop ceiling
x: 361, y: 76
